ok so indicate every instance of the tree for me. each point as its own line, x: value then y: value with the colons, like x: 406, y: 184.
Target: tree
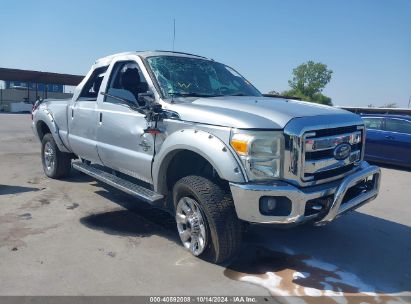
x: 317, y: 98
x: 389, y: 105
x: 274, y: 92
x: 309, y: 79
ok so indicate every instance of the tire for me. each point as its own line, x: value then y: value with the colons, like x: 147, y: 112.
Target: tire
x: 56, y: 164
x: 222, y: 229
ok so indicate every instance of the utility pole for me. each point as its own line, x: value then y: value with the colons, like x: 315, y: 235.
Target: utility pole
x: 409, y: 101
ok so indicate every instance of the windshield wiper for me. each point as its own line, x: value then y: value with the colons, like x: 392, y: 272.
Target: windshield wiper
x: 192, y: 94
x: 237, y: 94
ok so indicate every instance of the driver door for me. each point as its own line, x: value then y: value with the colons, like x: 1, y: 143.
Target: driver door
x: 397, y: 135
x: 374, y: 139
x: 121, y: 142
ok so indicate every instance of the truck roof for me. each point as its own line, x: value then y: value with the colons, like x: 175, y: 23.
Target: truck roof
x: 108, y: 59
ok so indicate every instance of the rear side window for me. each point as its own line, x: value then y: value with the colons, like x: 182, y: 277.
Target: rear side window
x: 373, y: 123
x: 92, y: 86
x: 398, y: 125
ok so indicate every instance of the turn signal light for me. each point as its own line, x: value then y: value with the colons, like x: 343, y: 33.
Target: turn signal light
x: 239, y: 146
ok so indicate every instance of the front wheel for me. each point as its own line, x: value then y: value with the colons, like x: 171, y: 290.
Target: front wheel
x: 206, y: 219
x: 56, y: 164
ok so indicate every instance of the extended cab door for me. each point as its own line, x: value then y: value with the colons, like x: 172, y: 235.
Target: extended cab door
x: 83, y: 118
x: 122, y: 143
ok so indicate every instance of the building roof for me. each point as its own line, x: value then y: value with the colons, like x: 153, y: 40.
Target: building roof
x: 73, y: 80
x: 378, y: 111
x: 39, y: 77
x: 407, y: 117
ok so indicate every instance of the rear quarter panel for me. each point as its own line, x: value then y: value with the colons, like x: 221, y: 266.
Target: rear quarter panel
x: 54, y: 114
x: 59, y: 111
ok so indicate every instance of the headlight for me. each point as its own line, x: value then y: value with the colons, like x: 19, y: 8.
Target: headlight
x: 260, y: 152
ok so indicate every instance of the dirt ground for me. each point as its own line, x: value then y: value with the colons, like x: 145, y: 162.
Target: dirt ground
x: 79, y: 237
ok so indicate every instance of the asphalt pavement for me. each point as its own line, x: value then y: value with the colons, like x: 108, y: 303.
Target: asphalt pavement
x: 79, y: 237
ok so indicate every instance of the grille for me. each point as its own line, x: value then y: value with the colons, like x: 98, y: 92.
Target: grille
x: 319, y: 160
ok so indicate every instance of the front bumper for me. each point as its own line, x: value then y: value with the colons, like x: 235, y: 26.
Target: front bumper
x: 336, y: 198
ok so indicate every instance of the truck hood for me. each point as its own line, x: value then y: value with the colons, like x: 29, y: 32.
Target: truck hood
x: 247, y: 112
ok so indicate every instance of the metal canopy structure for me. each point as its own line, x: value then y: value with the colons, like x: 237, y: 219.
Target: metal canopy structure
x: 364, y: 110
x: 39, y: 77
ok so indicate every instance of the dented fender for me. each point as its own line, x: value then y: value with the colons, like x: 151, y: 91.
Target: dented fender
x: 203, y: 143
x: 44, y: 115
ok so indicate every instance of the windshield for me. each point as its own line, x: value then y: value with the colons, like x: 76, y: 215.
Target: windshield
x: 184, y: 76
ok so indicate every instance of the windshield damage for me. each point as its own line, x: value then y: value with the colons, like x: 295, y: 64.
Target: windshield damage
x: 194, y: 77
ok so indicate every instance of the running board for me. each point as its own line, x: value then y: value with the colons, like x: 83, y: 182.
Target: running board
x: 135, y: 190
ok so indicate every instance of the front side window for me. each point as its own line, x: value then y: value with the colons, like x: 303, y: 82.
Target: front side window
x: 373, y: 123
x: 185, y: 76
x: 398, y: 125
x: 126, y: 82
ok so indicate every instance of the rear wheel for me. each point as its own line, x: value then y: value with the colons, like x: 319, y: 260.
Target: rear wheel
x: 206, y: 219
x: 56, y: 164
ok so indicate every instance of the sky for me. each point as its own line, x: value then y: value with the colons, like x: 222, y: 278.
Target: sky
x: 367, y: 43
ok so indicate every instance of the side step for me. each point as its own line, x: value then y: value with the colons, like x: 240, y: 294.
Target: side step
x: 137, y: 191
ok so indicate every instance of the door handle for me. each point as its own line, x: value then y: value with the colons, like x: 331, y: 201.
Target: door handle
x: 101, y: 117
x: 72, y: 112
x: 389, y: 137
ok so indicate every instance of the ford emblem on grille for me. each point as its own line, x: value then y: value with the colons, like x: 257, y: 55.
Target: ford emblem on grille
x: 342, y: 151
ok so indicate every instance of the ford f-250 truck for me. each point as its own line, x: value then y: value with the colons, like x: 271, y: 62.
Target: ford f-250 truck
x: 192, y: 136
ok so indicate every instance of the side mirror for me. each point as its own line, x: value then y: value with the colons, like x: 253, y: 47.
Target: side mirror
x: 146, y: 98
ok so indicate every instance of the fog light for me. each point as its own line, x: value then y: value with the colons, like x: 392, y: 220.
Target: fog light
x: 271, y: 203
x: 275, y: 205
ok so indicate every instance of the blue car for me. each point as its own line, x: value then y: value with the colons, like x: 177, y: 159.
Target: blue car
x: 388, y: 138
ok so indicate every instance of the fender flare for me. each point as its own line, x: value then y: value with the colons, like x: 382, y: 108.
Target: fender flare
x: 207, y: 145
x: 45, y: 116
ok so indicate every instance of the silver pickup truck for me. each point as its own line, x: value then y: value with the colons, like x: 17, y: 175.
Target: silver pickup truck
x: 192, y: 136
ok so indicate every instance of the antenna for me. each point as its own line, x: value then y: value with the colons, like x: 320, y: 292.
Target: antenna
x: 174, y: 32
x: 171, y: 75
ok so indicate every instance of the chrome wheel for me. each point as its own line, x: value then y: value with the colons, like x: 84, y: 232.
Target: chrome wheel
x: 191, y: 225
x: 49, y: 156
